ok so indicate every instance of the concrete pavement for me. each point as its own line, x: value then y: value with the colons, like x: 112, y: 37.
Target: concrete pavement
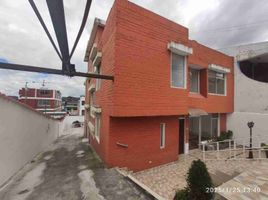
x: 69, y: 170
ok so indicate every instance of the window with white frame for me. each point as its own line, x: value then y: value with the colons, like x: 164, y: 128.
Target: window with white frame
x: 97, y: 126
x: 194, y: 80
x: 178, y: 71
x: 216, y: 82
x: 92, y: 103
x: 92, y: 98
x: 98, y: 81
x: 43, y: 103
x: 162, y: 135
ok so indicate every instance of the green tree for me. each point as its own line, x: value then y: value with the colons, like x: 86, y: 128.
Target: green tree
x: 199, y: 182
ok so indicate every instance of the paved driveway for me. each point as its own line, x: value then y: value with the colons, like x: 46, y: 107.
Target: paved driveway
x: 69, y: 170
x: 165, y: 180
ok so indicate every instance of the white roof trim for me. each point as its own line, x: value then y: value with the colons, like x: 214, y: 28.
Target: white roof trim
x: 179, y: 49
x: 219, y: 68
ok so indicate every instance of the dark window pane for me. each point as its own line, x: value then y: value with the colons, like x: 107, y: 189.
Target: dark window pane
x: 212, y: 85
x: 194, y: 80
x: 177, y: 71
x: 220, y: 86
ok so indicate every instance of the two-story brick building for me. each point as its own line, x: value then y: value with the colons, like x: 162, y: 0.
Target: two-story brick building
x: 169, y: 93
x: 43, y: 100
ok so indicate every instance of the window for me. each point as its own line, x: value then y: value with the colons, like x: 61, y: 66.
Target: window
x: 178, y: 71
x: 216, y: 82
x: 43, y: 103
x: 58, y: 95
x: 194, y: 80
x: 162, y: 135
x: 98, y: 81
x: 97, y: 127
x: 83, y: 103
x: 92, y: 98
x: 44, y: 92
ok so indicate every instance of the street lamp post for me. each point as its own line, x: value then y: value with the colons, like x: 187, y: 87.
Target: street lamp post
x: 250, y: 125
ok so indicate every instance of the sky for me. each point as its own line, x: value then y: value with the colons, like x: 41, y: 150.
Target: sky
x: 215, y: 23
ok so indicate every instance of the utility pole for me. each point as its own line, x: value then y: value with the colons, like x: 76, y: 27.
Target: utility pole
x: 26, y: 88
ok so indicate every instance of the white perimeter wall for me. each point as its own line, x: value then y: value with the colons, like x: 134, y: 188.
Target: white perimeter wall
x: 66, y: 124
x: 23, y: 134
x: 237, y: 122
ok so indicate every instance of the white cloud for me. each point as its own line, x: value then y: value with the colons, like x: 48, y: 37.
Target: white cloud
x: 23, y: 40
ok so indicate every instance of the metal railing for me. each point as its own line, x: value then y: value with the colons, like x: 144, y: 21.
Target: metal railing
x: 233, y: 149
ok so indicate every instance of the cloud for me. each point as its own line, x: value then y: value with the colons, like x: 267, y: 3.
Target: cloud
x: 232, y: 23
x: 23, y: 40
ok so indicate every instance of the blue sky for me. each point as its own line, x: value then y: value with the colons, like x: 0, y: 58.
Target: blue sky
x: 3, y: 60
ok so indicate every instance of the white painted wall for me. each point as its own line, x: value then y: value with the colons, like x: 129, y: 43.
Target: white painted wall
x: 238, y: 123
x: 251, y: 97
x: 23, y: 134
x: 66, y: 124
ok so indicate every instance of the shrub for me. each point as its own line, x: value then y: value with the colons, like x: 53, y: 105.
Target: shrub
x: 225, y: 135
x: 181, y: 195
x: 199, y: 182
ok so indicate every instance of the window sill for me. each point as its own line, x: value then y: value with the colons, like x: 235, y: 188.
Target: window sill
x: 196, y: 95
x: 221, y: 95
x: 181, y: 88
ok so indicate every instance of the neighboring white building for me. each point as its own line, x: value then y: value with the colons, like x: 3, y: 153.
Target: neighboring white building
x: 251, y: 90
x: 81, y: 106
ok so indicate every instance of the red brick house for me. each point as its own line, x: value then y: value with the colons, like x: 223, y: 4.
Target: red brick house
x: 43, y: 100
x: 169, y: 93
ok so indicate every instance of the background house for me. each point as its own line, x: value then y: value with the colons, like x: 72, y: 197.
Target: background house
x: 70, y: 105
x: 44, y: 100
x: 81, y: 105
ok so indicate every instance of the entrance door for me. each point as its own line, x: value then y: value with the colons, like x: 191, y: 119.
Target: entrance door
x: 181, y: 136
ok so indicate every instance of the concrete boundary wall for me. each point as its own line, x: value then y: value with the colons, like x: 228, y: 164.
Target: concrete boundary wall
x: 237, y: 122
x: 66, y: 124
x: 24, y: 133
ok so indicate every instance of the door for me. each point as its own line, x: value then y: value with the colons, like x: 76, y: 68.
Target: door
x: 181, y: 136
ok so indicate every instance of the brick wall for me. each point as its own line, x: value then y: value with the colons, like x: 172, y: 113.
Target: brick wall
x: 142, y: 73
x: 134, y: 50
x: 106, y: 44
x: 142, y: 135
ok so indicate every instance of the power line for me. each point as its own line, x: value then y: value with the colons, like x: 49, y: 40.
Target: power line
x: 237, y: 27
